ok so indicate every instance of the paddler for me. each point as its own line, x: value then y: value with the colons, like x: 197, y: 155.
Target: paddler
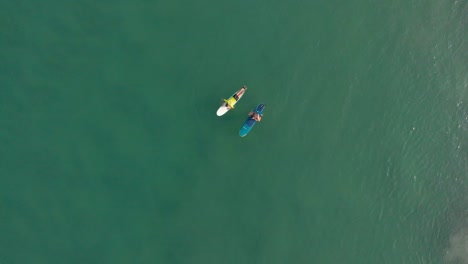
x: 256, y: 116
x: 229, y: 103
x: 241, y: 91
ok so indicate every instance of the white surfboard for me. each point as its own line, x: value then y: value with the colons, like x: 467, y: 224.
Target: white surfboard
x: 222, y: 109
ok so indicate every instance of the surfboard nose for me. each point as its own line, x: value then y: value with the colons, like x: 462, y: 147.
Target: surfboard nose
x: 260, y: 107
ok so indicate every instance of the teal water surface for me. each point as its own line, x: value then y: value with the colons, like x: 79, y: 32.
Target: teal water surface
x: 111, y: 150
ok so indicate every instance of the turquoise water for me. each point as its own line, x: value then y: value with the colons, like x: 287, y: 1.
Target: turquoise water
x: 111, y: 151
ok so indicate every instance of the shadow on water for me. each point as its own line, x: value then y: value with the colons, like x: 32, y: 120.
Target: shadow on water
x: 453, y: 223
x: 456, y: 242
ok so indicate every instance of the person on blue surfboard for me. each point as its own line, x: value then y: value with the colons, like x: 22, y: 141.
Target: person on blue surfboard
x: 256, y: 116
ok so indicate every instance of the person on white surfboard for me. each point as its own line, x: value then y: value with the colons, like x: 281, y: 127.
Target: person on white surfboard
x: 229, y: 103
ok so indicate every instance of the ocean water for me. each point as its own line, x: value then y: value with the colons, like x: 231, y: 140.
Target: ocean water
x: 111, y: 151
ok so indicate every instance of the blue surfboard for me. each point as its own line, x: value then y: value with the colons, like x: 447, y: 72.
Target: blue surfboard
x: 250, y: 122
